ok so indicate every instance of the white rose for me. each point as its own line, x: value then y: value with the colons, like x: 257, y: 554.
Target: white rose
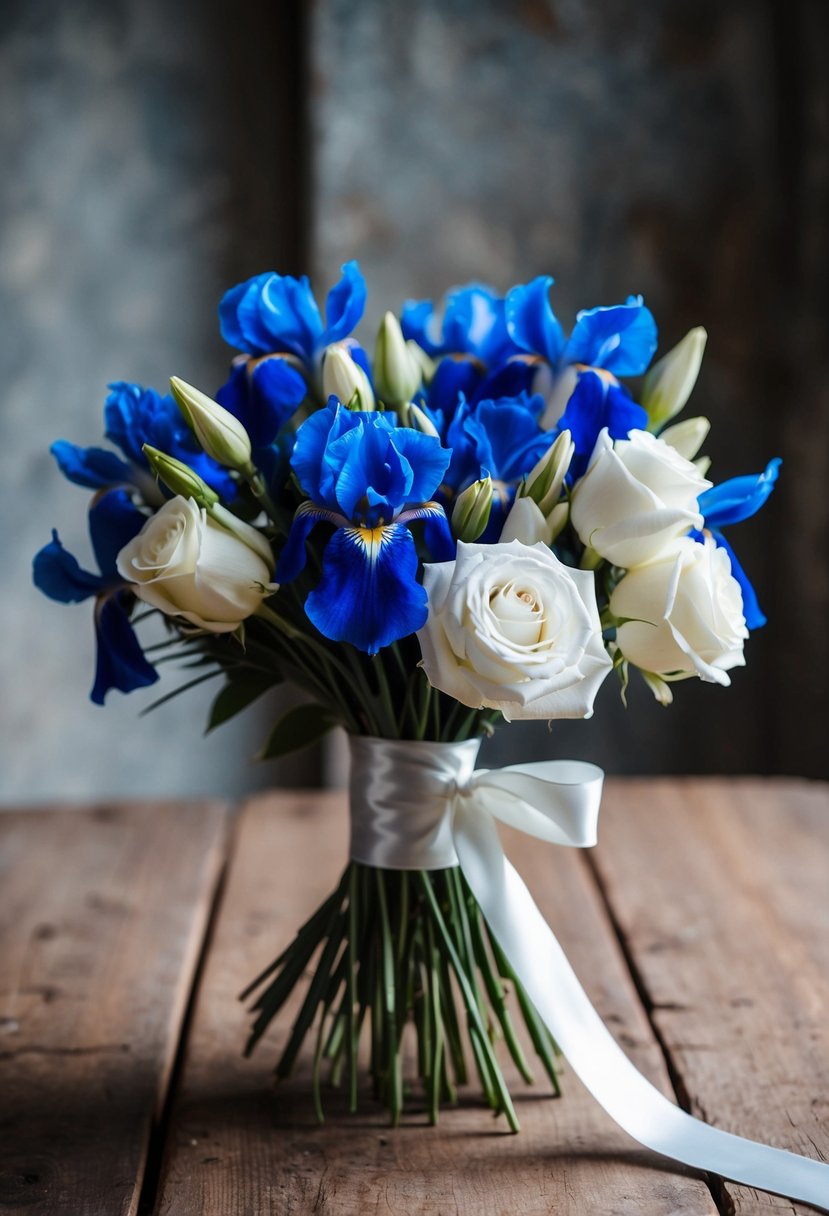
x: 185, y: 564
x: 512, y: 628
x: 636, y: 497
x: 687, y: 612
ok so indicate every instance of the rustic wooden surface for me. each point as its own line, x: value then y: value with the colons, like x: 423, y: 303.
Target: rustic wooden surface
x: 102, y: 917
x: 700, y: 928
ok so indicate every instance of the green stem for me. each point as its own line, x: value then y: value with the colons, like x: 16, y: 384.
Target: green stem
x: 471, y: 1007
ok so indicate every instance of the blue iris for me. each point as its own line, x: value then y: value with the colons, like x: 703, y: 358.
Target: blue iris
x: 463, y: 378
x: 369, y: 478
x: 729, y: 503
x: 276, y: 312
x: 473, y: 323
x: 134, y: 416
x: 113, y: 522
x: 597, y: 402
x: 620, y: 339
x: 275, y: 320
x: 500, y: 437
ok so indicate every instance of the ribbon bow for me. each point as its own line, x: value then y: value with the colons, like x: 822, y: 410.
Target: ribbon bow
x: 424, y: 806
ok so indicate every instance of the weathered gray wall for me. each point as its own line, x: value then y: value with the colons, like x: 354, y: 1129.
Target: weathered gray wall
x: 155, y: 153
x: 678, y: 150
x: 151, y: 156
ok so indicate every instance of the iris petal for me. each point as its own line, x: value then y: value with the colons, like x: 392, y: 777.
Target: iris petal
x: 120, y: 663
x: 621, y: 339
x: 57, y: 574
x: 113, y: 522
x: 593, y: 405
x: 293, y: 556
x: 368, y: 594
x: 271, y: 312
x: 344, y: 305
x: 94, y: 468
x: 531, y: 322
x: 739, y: 498
x: 456, y: 377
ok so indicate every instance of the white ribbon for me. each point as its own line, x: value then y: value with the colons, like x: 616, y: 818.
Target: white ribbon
x: 424, y: 806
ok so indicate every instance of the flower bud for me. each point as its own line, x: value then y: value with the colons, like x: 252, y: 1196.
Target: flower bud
x: 396, y: 370
x: 426, y: 363
x: 544, y: 481
x: 179, y: 477
x: 343, y: 378
x: 669, y: 383
x: 687, y: 437
x: 470, y: 514
x: 418, y: 420
x: 219, y: 433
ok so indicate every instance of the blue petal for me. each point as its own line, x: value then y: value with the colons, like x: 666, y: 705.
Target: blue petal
x: 531, y: 322
x: 95, y: 468
x: 57, y: 574
x: 474, y: 321
x: 513, y: 378
x: 121, y: 663
x: 515, y: 439
x: 368, y: 594
x: 621, y: 339
x: 739, y: 498
x: 271, y: 313
x: 753, y: 613
x: 371, y: 473
x: 345, y: 304
x: 593, y: 405
x: 417, y: 320
x: 113, y: 522
x: 293, y: 557
x: 278, y: 390
x: 428, y: 459
x: 457, y: 376
x: 309, y: 459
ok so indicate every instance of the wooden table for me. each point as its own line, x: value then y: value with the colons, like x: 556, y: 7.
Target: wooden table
x: 699, y: 926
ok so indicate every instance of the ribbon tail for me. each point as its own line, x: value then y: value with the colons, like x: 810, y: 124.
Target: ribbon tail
x: 551, y: 984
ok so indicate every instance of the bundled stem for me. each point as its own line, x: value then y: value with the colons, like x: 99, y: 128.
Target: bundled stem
x: 410, y: 950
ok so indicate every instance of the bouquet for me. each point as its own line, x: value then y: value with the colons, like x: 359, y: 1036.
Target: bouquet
x: 476, y: 524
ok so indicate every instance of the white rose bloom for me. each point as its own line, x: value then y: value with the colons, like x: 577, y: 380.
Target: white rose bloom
x: 687, y: 613
x: 185, y: 564
x: 636, y: 497
x: 511, y: 627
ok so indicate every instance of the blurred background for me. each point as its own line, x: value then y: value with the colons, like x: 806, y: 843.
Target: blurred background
x: 155, y: 154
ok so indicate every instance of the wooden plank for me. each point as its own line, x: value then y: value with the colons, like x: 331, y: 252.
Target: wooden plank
x: 102, y: 917
x: 721, y: 890
x: 238, y: 1146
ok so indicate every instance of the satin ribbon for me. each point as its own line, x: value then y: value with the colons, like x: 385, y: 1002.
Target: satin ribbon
x: 424, y: 806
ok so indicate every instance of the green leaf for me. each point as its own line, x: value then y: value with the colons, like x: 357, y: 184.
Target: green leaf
x: 300, y: 727
x: 241, y: 690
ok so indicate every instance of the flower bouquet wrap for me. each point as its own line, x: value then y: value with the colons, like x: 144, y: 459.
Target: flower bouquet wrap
x: 477, y: 523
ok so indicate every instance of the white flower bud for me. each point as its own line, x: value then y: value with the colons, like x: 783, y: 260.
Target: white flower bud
x: 179, y: 477
x: 687, y: 437
x: 419, y: 421
x: 219, y: 433
x: 343, y: 378
x: 470, y: 514
x: 669, y: 382
x: 397, y: 372
x: 544, y: 482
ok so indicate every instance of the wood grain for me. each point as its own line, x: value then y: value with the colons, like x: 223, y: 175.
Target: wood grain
x: 102, y: 916
x: 236, y: 1145
x: 721, y: 890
